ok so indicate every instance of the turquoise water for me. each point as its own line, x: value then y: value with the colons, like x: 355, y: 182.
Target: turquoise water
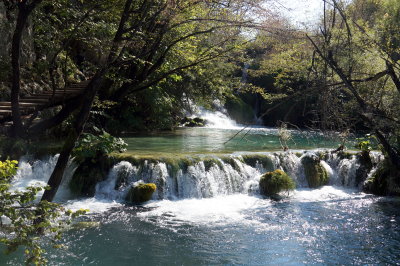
x: 333, y: 225
x: 213, y: 140
x: 338, y: 227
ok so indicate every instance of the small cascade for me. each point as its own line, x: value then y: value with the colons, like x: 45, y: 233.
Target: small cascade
x: 220, y: 176
x: 214, y: 119
x: 37, y: 173
x: 198, y: 177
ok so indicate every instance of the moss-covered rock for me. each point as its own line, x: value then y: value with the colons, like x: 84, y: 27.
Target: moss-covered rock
x: 315, y: 173
x: 140, y: 193
x: 88, y: 174
x: 272, y: 183
x: 239, y: 110
x: 264, y: 160
x: 365, y: 168
x: 384, y: 182
x: 193, y: 122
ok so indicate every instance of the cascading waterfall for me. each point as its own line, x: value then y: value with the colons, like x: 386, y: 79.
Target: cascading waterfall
x: 221, y: 176
x: 33, y: 172
x: 203, y: 178
x: 215, y: 119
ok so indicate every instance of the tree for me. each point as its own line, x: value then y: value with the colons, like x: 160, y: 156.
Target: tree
x: 148, y: 34
x: 362, y: 56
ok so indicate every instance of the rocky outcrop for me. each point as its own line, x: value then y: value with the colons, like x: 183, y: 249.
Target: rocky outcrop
x: 90, y: 172
x: 385, y: 181
x: 315, y: 173
x: 193, y: 122
x: 140, y: 192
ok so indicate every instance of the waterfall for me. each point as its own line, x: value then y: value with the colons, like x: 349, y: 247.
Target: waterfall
x: 33, y: 172
x: 214, y: 119
x: 219, y: 176
x: 197, y: 177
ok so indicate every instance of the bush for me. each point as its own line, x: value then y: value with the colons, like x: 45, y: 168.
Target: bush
x: 24, y: 220
x: 91, y: 146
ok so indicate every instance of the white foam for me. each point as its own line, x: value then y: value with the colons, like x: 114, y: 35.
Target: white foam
x: 212, y: 211
x: 94, y: 205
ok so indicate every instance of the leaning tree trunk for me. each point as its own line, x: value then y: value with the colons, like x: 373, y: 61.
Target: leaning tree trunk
x: 91, y: 90
x: 58, y: 172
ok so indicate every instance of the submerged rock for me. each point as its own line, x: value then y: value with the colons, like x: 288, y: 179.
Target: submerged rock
x: 272, y: 183
x: 141, y: 192
x: 315, y: 173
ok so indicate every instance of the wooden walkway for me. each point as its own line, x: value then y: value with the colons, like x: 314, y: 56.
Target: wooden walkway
x: 40, y: 101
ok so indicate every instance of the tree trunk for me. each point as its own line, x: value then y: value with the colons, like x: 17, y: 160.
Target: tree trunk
x: 57, y: 175
x: 90, y: 92
x: 23, y: 14
x: 24, y: 10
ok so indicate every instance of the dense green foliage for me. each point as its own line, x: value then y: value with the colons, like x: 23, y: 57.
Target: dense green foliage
x: 23, y: 221
x: 91, y: 146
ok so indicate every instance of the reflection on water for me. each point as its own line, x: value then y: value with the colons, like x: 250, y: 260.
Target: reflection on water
x: 205, y: 140
x: 330, y: 226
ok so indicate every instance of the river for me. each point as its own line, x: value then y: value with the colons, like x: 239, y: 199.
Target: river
x: 208, y: 211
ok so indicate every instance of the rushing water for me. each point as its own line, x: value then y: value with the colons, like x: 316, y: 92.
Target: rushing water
x: 207, y: 209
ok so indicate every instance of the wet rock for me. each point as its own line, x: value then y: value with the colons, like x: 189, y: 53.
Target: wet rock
x: 141, y: 192
x: 365, y: 168
x: 315, y: 173
x: 271, y: 183
x: 193, y: 122
x: 385, y: 181
x: 90, y: 172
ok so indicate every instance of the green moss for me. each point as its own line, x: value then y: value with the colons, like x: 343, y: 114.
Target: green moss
x: 272, y: 183
x: 210, y: 162
x: 298, y: 154
x: 315, y: 173
x: 239, y: 110
x: 385, y: 181
x: 141, y: 193
x: 88, y: 174
x: 253, y: 159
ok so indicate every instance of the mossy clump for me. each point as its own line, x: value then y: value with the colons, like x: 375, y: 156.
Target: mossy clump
x: 384, y: 181
x: 272, y: 183
x: 315, y: 173
x: 88, y: 174
x: 366, y: 165
x: 253, y: 159
x: 239, y: 110
x: 210, y: 162
x: 140, y: 193
x: 193, y: 122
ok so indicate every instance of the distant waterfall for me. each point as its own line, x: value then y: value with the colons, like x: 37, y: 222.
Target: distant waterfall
x: 214, y: 119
